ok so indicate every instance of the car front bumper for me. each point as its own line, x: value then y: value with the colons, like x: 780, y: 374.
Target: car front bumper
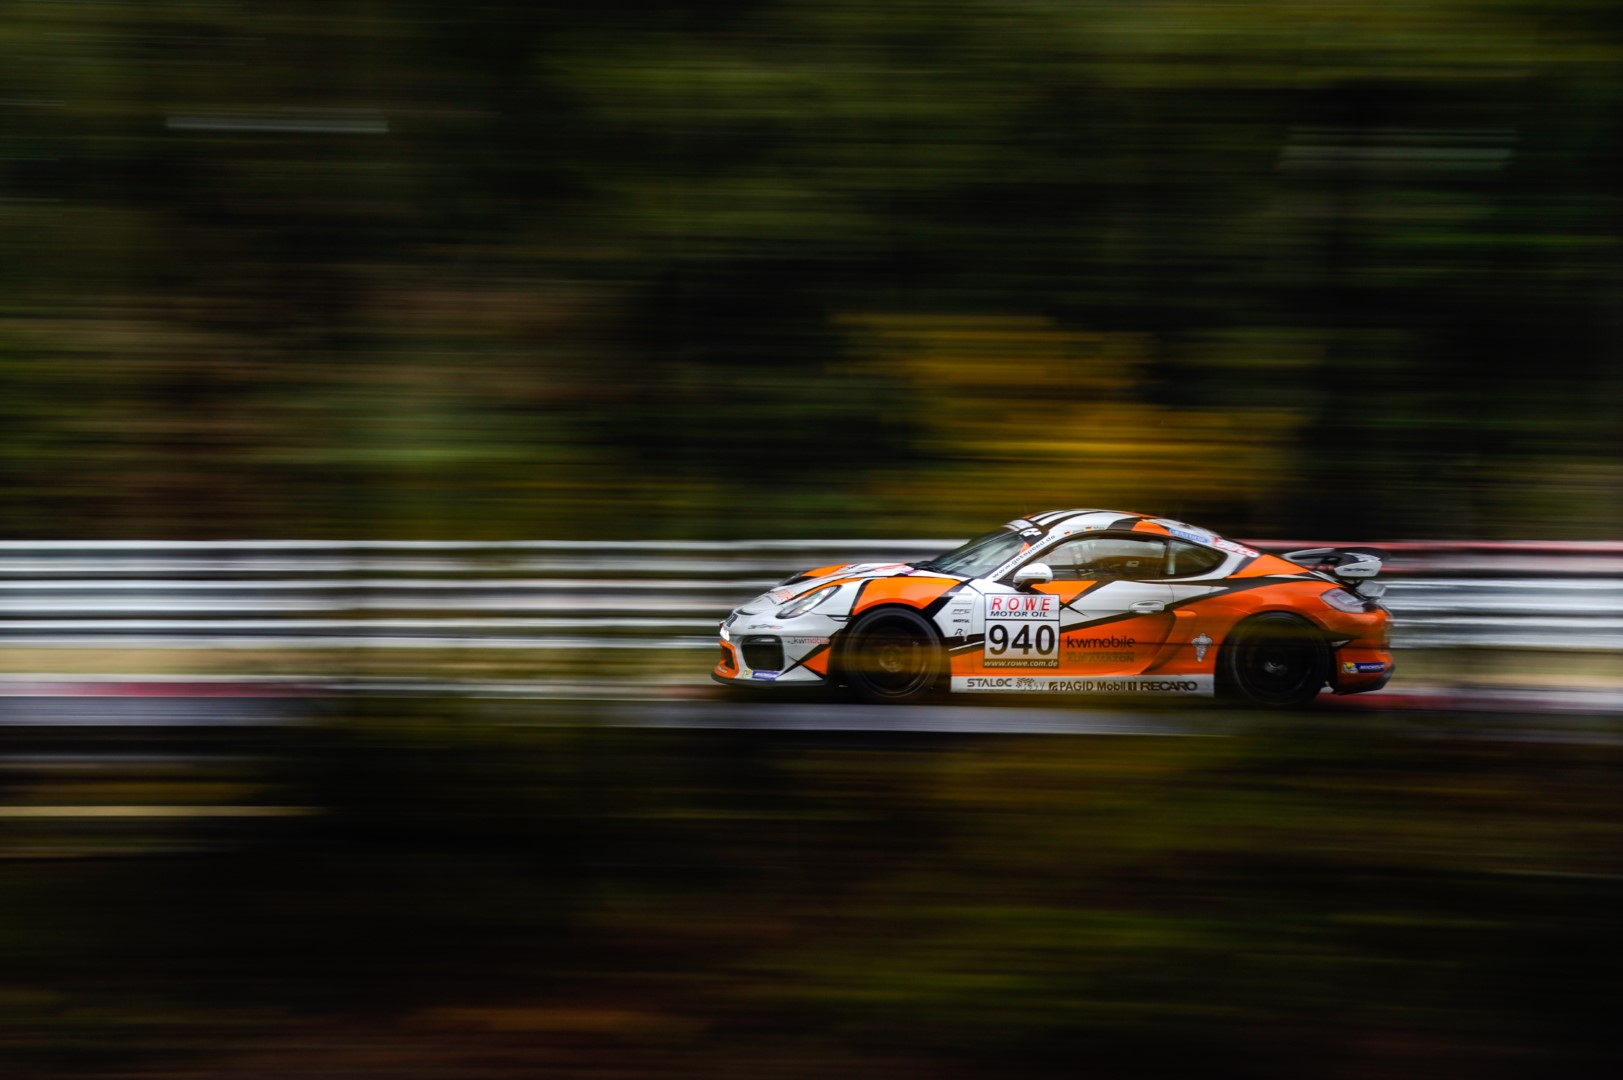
x: 763, y: 650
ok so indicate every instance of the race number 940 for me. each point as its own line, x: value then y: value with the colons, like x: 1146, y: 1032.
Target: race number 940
x: 1022, y: 630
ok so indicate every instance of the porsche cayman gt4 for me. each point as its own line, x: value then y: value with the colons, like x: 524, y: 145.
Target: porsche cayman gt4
x: 1078, y: 602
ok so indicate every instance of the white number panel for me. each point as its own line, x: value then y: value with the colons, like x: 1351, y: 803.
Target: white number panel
x: 1022, y: 630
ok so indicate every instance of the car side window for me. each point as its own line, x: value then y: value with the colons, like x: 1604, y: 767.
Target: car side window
x: 1191, y: 560
x: 1139, y: 557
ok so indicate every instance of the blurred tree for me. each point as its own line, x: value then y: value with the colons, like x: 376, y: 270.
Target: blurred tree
x: 492, y: 268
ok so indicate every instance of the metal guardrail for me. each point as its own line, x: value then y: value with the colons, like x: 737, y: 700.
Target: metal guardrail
x: 397, y: 594
x: 651, y: 595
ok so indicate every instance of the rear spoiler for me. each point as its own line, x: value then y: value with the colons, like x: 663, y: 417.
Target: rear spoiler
x: 1350, y: 566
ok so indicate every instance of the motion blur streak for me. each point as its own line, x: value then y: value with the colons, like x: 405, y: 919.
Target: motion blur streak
x: 419, y: 888
x: 778, y: 267
x: 652, y: 594
x: 392, y: 793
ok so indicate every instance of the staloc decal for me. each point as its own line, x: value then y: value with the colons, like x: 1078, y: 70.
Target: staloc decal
x: 1160, y: 686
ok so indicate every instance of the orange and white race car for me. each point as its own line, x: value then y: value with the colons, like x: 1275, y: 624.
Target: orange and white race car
x: 1075, y: 601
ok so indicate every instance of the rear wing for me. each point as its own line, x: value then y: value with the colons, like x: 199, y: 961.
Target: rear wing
x: 1350, y: 566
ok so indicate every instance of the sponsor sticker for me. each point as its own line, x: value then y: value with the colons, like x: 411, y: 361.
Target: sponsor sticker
x: 1022, y: 630
x: 1198, y: 536
x: 1139, y: 685
x: 1099, y: 649
x: 1362, y: 667
x: 1229, y: 545
x: 1201, y: 644
x: 1023, y: 606
x: 765, y: 676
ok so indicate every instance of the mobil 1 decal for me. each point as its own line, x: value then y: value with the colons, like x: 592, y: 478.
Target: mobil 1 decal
x: 1022, y: 630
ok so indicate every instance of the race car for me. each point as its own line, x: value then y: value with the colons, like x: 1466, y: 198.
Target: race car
x: 1079, y: 602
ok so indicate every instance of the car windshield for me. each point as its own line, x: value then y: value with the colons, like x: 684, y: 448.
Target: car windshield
x: 980, y: 556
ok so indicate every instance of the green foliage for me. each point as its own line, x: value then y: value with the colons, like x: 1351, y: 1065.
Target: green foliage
x: 500, y: 268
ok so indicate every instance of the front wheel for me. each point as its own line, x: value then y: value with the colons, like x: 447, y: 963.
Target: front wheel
x: 1275, y: 660
x: 891, y: 656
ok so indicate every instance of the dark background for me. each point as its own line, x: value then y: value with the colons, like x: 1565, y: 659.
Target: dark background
x: 470, y: 893
x: 351, y: 269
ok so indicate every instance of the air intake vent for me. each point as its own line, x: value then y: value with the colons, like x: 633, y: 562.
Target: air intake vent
x: 763, y: 653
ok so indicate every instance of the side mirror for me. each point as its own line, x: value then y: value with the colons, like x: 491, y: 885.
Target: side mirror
x: 1033, y: 574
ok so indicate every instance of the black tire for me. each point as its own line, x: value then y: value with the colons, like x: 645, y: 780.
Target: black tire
x: 891, y: 655
x: 1276, y: 660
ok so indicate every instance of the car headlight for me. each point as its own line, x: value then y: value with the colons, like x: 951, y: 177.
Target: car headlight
x: 1343, y: 600
x: 802, y: 604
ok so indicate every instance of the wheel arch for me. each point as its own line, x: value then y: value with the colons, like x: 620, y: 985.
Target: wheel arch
x: 842, y: 639
x: 1224, y: 683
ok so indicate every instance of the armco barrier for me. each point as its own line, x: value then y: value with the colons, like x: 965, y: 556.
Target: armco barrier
x: 654, y: 594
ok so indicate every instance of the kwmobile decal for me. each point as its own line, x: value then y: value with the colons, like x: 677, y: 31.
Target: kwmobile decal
x: 1080, y: 641
x: 1083, y: 649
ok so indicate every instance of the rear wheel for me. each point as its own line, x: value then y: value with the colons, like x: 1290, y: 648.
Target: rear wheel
x: 891, y: 655
x: 1276, y: 660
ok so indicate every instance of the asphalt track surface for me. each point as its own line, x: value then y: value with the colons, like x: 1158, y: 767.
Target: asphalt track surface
x: 1530, y: 716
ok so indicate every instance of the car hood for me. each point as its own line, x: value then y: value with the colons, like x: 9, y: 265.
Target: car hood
x: 810, y: 579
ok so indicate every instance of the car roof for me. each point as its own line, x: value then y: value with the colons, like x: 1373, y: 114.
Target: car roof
x: 1062, y: 522
x: 1058, y: 523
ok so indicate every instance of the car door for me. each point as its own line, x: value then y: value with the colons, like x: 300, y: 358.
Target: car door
x: 1195, y: 572
x: 1104, y: 612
